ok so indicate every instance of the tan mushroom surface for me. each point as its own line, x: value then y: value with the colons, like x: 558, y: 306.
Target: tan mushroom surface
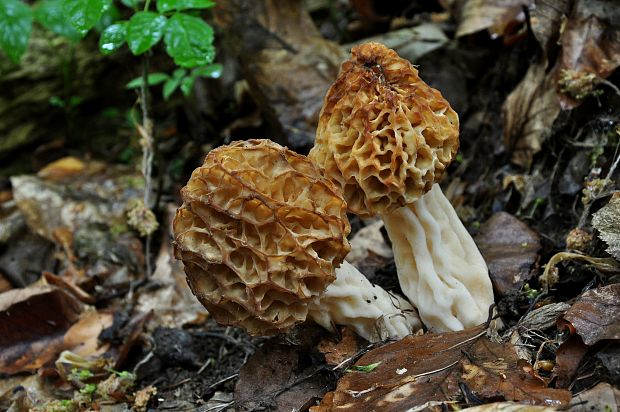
x: 386, y: 137
x: 262, y: 234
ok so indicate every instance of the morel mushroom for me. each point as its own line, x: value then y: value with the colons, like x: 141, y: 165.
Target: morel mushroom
x: 261, y: 233
x: 386, y: 137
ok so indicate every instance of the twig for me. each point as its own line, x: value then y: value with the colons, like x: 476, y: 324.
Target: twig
x: 146, y: 131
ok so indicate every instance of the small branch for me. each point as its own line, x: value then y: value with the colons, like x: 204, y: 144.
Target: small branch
x: 146, y: 130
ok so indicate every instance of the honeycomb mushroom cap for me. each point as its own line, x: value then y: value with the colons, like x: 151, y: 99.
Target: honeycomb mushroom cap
x: 384, y: 135
x: 260, y: 233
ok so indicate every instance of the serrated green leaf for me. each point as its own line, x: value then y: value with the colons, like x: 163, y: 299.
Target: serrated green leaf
x: 169, y: 5
x: 365, y: 368
x: 187, y: 84
x: 189, y: 41
x: 51, y: 15
x: 145, y: 29
x: 84, y: 14
x: 170, y: 86
x: 213, y: 71
x: 112, y: 38
x: 152, y: 80
x: 15, y: 28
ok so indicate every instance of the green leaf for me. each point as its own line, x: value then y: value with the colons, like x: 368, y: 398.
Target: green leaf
x: 51, y: 15
x: 112, y: 38
x: 152, y: 80
x: 109, y: 17
x: 186, y: 85
x: 144, y: 31
x: 131, y: 3
x: 213, y: 71
x: 189, y: 41
x: 170, y: 86
x: 168, y: 5
x: 15, y: 28
x: 84, y: 14
x: 365, y: 368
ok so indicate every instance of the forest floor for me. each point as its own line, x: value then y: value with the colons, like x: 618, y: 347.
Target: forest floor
x: 82, y: 326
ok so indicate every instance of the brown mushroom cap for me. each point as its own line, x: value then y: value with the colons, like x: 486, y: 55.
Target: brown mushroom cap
x: 260, y: 234
x: 384, y: 135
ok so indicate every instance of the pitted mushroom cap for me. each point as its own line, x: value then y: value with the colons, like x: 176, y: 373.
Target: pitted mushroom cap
x: 260, y: 233
x: 384, y: 135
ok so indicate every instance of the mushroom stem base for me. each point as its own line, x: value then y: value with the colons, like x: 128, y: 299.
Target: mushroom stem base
x: 439, y: 266
x: 373, y: 313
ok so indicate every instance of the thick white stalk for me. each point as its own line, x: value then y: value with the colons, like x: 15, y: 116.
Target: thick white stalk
x: 439, y: 266
x: 375, y: 314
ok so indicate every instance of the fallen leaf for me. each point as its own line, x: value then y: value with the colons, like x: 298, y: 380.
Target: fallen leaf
x: 590, y: 42
x: 607, y: 222
x: 62, y: 168
x: 602, y: 398
x: 82, y: 337
x: 510, y: 407
x: 286, y: 61
x: 142, y: 398
x: 4, y: 284
x: 596, y: 314
x: 546, y: 20
x: 337, y: 352
x: 369, y: 240
x: 33, y: 323
x: 435, y: 366
x: 410, y: 43
x: 544, y: 317
x: 510, y: 249
x: 477, y: 15
x: 529, y: 112
x: 567, y: 360
x: 279, y: 377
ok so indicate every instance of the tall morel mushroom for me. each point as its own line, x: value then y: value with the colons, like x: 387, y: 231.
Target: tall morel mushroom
x: 386, y: 137
x: 261, y: 234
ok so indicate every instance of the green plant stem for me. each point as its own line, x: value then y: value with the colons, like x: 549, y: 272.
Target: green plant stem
x: 147, y: 151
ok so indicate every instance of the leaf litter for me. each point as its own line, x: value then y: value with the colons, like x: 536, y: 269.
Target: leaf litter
x: 120, y: 341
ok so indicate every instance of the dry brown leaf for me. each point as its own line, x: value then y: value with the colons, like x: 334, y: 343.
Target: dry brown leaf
x: 82, y: 337
x: 420, y: 369
x: 477, y: 15
x: 33, y: 322
x: 567, y: 360
x: 602, y: 398
x: 142, y: 398
x: 546, y: 20
x: 607, y: 222
x: 337, y: 352
x: 590, y: 42
x: 287, y: 63
x: 529, y: 112
x: 510, y: 249
x: 4, y: 284
x: 69, y: 167
x: 279, y: 377
x: 596, y: 314
x: 510, y: 407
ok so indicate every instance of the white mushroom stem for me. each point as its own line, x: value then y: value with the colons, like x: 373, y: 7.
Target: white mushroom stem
x: 375, y: 314
x: 439, y: 266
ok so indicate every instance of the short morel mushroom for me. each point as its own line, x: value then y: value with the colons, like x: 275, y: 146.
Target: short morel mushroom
x: 385, y: 137
x: 261, y: 234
